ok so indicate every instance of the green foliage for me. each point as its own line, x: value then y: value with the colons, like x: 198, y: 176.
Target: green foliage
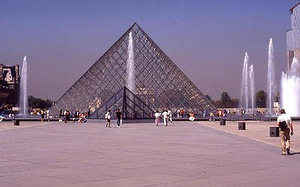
x: 261, y: 99
x: 39, y: 103
x: 226, y: 101
x: 225, y: 98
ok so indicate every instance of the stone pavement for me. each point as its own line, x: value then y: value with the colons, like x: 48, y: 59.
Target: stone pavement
x: 259, y: 131
x: 182, y: 154
x: 8, y: 125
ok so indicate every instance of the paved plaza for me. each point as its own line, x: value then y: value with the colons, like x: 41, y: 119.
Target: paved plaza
x: 257, y: 130
x: 182, y: 154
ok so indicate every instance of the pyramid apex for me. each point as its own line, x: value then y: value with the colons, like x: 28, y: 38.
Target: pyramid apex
x: 135, y: 24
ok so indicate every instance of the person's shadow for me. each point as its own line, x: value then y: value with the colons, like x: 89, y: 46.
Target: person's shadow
x: 295, y: 153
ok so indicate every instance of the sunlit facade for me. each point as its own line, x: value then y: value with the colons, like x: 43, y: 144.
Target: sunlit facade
x: 293, y: 35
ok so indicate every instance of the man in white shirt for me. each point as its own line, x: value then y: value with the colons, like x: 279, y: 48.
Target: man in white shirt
x: 107, y: 117
x: 165, y: 117
x: 170, y: 114
x: 157, y: 116
x: 284, y: 122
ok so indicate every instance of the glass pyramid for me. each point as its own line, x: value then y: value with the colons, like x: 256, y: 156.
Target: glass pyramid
x: 159, y: 83
x: 132, y: 107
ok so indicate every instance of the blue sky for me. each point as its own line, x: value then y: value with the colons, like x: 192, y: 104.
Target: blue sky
x: 207, y: 39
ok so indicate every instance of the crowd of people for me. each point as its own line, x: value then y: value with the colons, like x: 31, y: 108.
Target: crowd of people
x: 166, y: 115
x: 80, y: 117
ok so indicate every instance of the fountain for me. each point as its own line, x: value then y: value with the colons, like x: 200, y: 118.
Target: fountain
x: 23, y: 102
x: 290, y: 89
x: 247, y: 77
x: 252, y: 88
x: 271, y: 89
x: 244, y: 86
x: 130, y: 65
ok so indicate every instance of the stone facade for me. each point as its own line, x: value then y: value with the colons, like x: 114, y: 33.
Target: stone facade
x: 293, y: 35
x: 9, y: 85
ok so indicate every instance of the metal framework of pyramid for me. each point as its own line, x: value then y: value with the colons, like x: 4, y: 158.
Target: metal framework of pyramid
x: 159, y: 83
x: 132, y: 107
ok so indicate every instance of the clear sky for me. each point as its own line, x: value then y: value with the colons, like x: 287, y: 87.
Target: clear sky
x: 207, y: 39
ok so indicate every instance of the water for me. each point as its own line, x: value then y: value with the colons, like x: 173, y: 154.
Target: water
x: 271, y: 89
x: 290, y: 89
x: 295, y: 66
x: 23, y: 103
x: 130, y: 65
x: 244, y: 98
x: 252, y: 88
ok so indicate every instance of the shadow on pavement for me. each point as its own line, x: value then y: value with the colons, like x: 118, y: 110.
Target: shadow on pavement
x: 296, y: 153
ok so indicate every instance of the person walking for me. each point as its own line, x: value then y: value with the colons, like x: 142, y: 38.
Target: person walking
x: 60, y: 113
x: 284, y: 122
x: 170, y: 114
x: 42, y: 115
x: 119, y: 117
x: 211, y: 117
x: 48, y: 115
x: 165, y: 117
x: 157, y: 116
x: 107, y: 117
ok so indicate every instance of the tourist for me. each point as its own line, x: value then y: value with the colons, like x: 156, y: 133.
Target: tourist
x: 88, y: 113
x: 211, y: 116
x: 220, y: 113
x: 225, y: 113
x: 178, y: 113
x: 60, y: 113
x: 42, y: 115
x: 80, y: 117
x: 286, y: 129
x: 107, y: 117
x: 204, y: 114
x: 119, y: 117
x: 170, y: 115
x: 85, y: 116
x: 65, y: 113
x: 157, y: 116
x: 67, y: 116
x: 48, y: 114
x: 181, y: 113
x: 77, y: 114
x: 191, y: 116
x: 165, y: 117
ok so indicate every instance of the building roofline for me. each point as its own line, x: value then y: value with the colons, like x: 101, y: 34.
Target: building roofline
x: 291, y: 10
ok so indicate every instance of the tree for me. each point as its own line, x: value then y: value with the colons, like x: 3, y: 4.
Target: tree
x: 39, y: 103
x: 261, y: 98
x: 226, y: 101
